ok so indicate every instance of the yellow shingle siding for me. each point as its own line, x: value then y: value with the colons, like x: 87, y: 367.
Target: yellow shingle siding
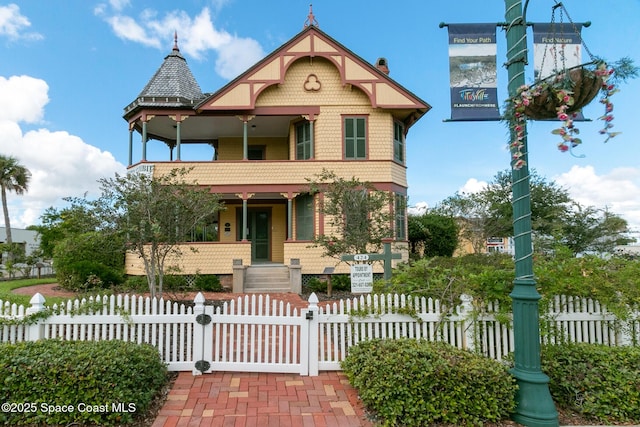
x: 201, y: 258
x: 285, y: 172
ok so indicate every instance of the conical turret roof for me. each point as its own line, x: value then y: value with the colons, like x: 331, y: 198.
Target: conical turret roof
x: 172, y: 85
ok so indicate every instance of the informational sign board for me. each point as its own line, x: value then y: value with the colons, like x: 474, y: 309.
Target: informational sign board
x: 361, y: 278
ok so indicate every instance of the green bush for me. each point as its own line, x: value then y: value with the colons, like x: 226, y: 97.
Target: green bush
x: 106, y: 383
x: 94, y: 258
x: 208, y: 283
x: 416, y: 383
x: 600, y: 382
x: 341, y: 282
x: 177, y: 283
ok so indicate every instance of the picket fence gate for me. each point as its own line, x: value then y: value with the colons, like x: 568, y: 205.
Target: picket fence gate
x: 255, y: 333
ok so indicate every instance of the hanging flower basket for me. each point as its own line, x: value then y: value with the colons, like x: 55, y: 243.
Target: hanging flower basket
x: 548, y: 96
x: 561, y: 97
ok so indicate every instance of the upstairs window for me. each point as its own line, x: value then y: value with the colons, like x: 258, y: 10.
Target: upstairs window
x: 355, y: 138
x: 398, y: 142
x: 303, y: 141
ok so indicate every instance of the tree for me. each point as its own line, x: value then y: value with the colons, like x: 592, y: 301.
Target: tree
x: 471, y: 214
x: 13, y: 177
x: 488, y: 213
x: 154, y: 216
x: 358, y: 215
x: 59, y: 224
x: 587, y: 229
x: 555, y: 217
x: 432, y: 234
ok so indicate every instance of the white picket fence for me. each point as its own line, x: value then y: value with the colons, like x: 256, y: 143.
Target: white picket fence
x: 258, y: 334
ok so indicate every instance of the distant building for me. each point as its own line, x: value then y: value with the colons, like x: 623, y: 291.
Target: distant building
x: 29, y: 240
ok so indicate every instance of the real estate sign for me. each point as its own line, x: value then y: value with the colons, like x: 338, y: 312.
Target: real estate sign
x: 361, y: 278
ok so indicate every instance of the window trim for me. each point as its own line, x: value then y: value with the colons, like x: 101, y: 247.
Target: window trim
x: 311, y: 215
x: 309, y: 142
x: 365, y: 117
x: 402, y: 144
x: 400, y: 198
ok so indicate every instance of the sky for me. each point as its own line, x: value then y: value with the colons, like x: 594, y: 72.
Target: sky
x: 69, y: 68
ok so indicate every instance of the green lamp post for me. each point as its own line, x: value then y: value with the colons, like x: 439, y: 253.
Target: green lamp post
x: 535, y: 406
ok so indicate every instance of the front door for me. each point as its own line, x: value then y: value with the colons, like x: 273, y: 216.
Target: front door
x: 259, y: 224
x: 258, y: 232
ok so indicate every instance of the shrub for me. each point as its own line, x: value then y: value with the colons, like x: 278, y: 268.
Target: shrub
x: 81, y: 374
x: 416, y: 383
x: 95, y: 254
x: 600, y: 382
x: 208, y: 283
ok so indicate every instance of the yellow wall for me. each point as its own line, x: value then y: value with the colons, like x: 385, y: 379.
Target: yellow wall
x: 232, y: 148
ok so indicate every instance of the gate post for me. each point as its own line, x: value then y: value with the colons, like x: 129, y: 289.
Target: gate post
x: 202, y: 336
x: 36, y: 330
x: 313, y: 346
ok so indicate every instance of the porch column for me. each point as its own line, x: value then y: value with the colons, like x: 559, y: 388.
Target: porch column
x: 289, y: 196
x: 130, y: 144
x: 311, y: 119
x: 245, y: 135
x: 245, y: 140
x: 311, y: 138
x: 244, y: 218
x: 178, y: 118
x: 144, y: 140
x: 178, y: 139
x: 289, y: 219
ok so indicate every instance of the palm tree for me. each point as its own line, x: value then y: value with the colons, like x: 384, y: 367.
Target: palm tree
x: 13, y: 177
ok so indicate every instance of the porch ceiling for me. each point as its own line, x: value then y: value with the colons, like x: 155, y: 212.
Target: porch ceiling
x: 199, y: 129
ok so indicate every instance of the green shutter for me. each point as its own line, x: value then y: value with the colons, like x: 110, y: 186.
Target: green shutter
x: 304, y: 217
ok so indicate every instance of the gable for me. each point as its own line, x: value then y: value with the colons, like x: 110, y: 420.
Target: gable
x: 382, y: 91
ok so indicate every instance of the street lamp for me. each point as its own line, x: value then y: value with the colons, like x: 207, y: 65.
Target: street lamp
x: 535, y: 406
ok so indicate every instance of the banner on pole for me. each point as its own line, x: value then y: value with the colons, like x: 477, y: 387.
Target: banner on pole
x: 556, y: 47
x: 472, y: 72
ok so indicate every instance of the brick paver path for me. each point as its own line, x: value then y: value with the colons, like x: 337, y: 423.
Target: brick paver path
x: 260, y: 399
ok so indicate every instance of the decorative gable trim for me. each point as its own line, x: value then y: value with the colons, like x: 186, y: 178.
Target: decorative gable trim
x: 383, y: 92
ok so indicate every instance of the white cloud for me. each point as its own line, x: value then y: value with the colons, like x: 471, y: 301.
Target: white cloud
x: 197, y: 36
x: 127, y: 28
x: 419, y: 208
x: 61, y: 164
x: 23, y: 99
x: 13, y: 24
x: 618, y: 190
x: 472, y: 186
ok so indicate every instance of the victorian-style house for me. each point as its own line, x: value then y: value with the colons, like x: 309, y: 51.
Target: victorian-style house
x: 310, y: 105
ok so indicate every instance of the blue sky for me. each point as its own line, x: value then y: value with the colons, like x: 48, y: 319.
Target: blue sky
x: 69, y: 68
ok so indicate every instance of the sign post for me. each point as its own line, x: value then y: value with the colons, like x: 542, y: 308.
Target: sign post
x: 386, y: 257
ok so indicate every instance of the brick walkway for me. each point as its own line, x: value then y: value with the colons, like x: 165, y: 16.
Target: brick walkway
x: 258, y: 399
x: 252, y: 399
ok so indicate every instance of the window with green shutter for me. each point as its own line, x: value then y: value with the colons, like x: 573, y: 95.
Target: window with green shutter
x: 304, y: 217
x: 303, y: 141
x: 400, y: 212
x: 355, y: 138
x: 398, y: 142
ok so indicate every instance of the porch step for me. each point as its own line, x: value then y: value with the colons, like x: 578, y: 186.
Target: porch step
x: 267, y: 278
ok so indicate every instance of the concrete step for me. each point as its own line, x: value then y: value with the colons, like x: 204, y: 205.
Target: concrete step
x: 267, y: 278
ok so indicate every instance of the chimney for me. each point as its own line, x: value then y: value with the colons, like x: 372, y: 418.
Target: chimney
x: 381, y: 64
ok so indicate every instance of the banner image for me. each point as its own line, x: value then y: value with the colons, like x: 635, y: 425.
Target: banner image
x: 472, y: 72
x: 556, y: 47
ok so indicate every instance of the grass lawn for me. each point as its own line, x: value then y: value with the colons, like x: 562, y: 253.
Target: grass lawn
x: 6, y: 286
